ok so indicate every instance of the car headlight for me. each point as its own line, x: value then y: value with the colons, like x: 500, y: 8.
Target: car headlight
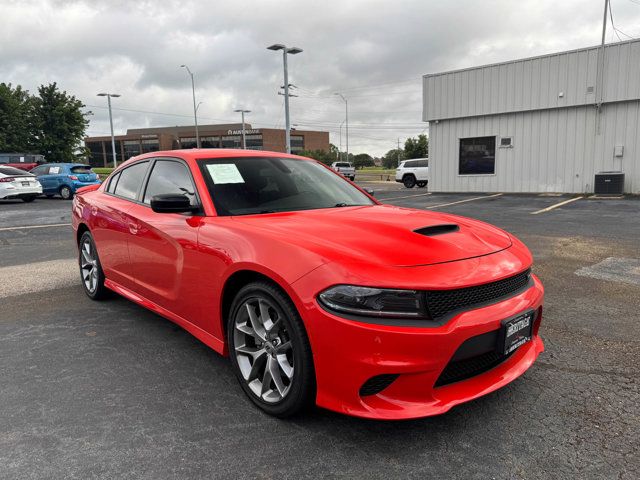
x: 374, y: 302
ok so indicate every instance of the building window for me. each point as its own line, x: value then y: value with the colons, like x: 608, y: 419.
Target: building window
x: 477, y: 156
x: 210, y: 142
x: 131, y: 148
x: 232, y: 141
x: 297, y: 143
x: 188, y: 142
x: 254, y: 142
x: 96, y: 154
x: 150, y: 145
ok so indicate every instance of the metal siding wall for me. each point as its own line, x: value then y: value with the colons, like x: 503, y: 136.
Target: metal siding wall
x: 533, y: 83
x: 555, y: 150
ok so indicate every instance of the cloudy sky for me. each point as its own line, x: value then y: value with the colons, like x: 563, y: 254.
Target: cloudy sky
x: 374, y: 52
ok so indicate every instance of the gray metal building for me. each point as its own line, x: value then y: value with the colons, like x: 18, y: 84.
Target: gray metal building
x: 541, y: 124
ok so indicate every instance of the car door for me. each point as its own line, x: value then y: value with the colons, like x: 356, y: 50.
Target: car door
x: 111, y: 223
x: 422, y: 170
x: 163, y: 247
x: 42, y: 172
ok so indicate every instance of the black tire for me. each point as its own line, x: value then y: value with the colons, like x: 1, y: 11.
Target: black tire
x: 28, y: 199
x: 302, y: 389
x: 49, y: 196
x: 422, y: 184
x: 66, y: 193
x: 409, y: 181
x: 100, y: 291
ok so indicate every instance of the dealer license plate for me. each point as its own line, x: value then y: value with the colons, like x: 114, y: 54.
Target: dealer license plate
x: 516, y: 331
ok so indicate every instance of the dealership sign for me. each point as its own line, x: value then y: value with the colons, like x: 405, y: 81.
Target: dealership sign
x: 239, y: 132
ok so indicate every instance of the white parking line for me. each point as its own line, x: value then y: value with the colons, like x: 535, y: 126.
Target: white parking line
x: 464, y: 201
x: 27, y: 227
x: 406, y: 196
x: 556, y: 205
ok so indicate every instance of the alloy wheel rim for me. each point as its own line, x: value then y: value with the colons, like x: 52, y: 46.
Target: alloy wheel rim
x: 263, y: 349
x: 89, y: 266
x: 66, y: 193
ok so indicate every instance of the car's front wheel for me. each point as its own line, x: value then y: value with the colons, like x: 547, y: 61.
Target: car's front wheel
x: 91, y: 272
x: 270, y: 351
x: 66, y: 193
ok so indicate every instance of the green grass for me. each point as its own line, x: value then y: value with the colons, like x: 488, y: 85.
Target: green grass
x: 102, y: 171
x: 377, y: 171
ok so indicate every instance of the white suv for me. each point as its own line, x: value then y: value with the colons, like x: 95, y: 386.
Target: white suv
x: 413, y: 172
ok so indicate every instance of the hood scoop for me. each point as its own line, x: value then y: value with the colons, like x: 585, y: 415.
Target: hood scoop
x: 437, y: 229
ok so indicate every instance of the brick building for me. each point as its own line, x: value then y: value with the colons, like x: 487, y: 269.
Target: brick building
x: 143, y: 140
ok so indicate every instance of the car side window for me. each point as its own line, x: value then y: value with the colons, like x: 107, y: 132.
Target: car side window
x: 131, y: 180
x: 423, y: 163
x: 40, y: 171
x: 410, y: 165
x: 169, y: 176
x: 113, y: 182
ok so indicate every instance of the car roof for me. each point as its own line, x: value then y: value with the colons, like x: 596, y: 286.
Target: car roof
x: 65, y: 165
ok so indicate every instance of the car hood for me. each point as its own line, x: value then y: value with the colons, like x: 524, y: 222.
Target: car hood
x: 383, y: 234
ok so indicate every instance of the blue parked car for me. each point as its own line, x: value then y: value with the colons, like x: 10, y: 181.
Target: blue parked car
x: 64, y: 178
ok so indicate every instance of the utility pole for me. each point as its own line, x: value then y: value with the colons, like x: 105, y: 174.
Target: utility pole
x: 244, y: 136
x: 113, y: 139
x: 600, y: 72
x: 346, y: 119
x: 340, y: 149
x: 285, y: 52
x: 195, y: 108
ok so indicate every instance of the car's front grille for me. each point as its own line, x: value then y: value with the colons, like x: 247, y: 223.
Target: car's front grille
x: 442, y: 303
x: 470, y: 367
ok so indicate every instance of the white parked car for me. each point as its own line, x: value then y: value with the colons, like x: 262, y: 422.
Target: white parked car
x: 16, y: 183
x: 413, y: 172
x: 345, y: 169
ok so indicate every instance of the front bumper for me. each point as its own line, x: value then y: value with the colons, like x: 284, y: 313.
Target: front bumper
x: 347, y: 353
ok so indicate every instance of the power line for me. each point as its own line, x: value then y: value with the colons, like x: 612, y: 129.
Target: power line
x: 615, y: 29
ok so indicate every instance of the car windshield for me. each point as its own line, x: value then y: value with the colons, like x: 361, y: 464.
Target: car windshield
x: 347, y: 165
x: 252, y: 185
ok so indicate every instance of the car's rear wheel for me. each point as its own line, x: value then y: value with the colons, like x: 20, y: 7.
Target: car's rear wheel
x: 409, y: 181
x: 270, y: 351
x: 66, y: 193
x: 422, y: 184
x: 90, y: 269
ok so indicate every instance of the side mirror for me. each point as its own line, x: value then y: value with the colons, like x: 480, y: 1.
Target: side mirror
x: 171, y: 203
x: 370, y: 192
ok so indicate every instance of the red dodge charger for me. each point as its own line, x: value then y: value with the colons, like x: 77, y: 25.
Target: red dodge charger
x: 316, y: 291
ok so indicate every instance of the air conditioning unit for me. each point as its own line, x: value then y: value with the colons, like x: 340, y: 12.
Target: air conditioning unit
x: 609, y: 183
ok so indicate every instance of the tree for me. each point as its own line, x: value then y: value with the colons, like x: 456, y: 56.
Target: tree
x: 362, y: 160
x: 58, y: 124
x: 417, y: 147
x: 16, y: 110
x: 321, y: 155
x: 390, y: 159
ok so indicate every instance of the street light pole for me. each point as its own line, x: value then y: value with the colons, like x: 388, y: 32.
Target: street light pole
x: 113, y: 140
x: 346, y: 118
x: 285, y: 52
x: 244, y: 136
x: 195, y: 109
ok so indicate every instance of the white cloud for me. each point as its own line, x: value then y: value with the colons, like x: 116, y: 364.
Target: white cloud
x: 135, y: 49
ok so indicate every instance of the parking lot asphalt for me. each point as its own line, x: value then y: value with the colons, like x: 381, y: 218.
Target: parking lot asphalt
x: 110, y: 390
